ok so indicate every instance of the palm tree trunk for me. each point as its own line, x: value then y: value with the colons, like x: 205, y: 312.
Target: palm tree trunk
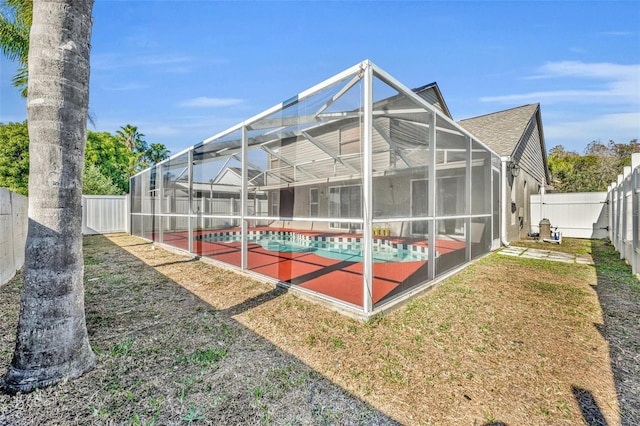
x: 52, y: 342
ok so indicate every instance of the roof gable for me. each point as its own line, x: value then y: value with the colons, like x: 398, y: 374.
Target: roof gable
x: 501, y: 130
x: 513, y: 133
x: 432, y: 94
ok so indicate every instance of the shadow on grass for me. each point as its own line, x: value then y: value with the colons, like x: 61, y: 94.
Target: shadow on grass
x: 254, y: 302
x: 128, y: 245
x: 177, y: 262
x: 619, y: 296
x: 168, y: 357
x: 589, y: 407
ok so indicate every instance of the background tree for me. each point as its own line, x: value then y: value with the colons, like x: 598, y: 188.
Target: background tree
x: 156, y: 153
x: 129, y: 136
x: 594, y: 171
x: 623, y: 151
x: 52, y: 342
x: 560, y: 166
x: 15, y: 22
x: 14, y: 157
x: 96, y: 183
x: 111, y: 156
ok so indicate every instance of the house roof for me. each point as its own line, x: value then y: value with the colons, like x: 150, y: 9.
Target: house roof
x: 432, y: 94
x: 251, y: 173
x: 509, y: 133
x: 501, y: 130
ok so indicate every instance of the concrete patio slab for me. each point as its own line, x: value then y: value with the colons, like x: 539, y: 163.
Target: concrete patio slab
x: 550, y: 255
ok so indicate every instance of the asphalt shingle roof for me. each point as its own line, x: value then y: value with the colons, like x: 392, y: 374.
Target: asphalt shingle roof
x: 501, y: 130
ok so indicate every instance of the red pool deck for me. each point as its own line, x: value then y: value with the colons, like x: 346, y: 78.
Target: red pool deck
x: 335, y: 278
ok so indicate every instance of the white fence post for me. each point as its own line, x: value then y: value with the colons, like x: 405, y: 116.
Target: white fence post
x: 612, y: 210
x: 623, y: 197
x: 619, y: 212
x: 633, y: 181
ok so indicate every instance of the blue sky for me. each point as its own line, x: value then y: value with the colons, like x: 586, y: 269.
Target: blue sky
x: 182, y: 71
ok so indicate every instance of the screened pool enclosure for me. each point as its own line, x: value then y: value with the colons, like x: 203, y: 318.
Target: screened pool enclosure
x: 357, y: 191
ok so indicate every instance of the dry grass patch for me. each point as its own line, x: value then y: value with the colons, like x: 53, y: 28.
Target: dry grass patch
x: 166, y: 357
x: 488, y: 345
x: 507, y: 340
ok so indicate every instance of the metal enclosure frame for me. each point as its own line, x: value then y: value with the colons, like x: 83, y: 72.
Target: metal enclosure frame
x: 218, y: 198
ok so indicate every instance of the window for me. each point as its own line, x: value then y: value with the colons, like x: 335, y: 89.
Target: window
x: 419, y: 205
x: 345, y: 202
x: 313, y: 202
x: 350, y: 139
x: 275, y: 211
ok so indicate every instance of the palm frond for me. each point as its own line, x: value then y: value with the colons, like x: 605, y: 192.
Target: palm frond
x: 15, y: 24
x: 14, y: 40
x: 21, y: 80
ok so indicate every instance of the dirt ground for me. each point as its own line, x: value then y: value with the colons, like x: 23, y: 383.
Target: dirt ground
x: 506, y: 341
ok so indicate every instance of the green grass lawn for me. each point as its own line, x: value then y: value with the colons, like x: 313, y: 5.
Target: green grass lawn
x: 179, y: 341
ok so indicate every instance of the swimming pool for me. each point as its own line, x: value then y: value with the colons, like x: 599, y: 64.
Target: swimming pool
x: 331, y: 247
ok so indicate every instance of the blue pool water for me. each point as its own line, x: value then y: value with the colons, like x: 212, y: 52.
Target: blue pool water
x: 347, y: 251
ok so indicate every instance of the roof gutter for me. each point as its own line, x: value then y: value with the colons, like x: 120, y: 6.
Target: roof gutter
x: 503, y: 186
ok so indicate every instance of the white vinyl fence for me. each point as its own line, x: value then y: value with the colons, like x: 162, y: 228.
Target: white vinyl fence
x: 624, y: 196
x: 104, y: 214
x: 13, y: 233
x: 203, y: 209
x: 614, y: 214
x: 101, y: 214
x: 577, y: 214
